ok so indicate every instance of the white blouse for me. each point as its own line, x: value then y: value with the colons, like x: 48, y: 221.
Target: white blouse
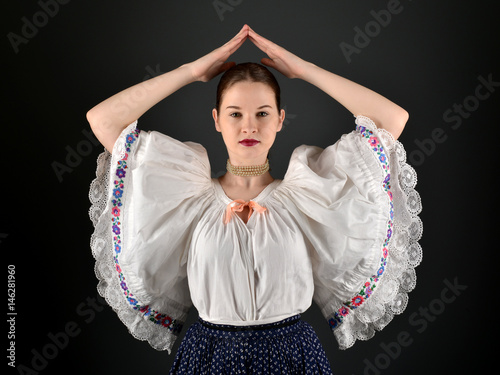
x: 340, y: 229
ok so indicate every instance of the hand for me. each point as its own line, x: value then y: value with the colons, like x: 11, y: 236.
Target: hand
x: 214, y: 63
x: 280, y: 59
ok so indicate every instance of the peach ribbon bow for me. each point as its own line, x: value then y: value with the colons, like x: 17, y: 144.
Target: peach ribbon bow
x: 238, y: 205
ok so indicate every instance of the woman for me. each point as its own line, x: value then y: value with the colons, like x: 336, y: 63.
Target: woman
x: 251, y: 252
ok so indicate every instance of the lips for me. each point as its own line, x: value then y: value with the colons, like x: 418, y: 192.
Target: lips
x: 249, y: 142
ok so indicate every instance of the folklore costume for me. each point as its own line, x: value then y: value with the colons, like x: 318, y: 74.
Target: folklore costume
x: 340, y: 229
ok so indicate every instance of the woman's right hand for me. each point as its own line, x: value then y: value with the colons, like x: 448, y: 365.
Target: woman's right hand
x: 214, y: 63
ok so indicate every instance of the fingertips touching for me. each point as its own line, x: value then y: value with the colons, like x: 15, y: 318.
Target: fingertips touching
x: 243, y: 31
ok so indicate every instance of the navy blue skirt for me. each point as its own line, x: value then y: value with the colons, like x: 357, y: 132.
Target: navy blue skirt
x: 289, y: 346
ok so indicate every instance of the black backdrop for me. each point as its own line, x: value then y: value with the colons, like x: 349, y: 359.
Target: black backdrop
x: 61, y: 58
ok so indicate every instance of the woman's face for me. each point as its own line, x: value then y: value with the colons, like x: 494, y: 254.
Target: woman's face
x: 248, y: 111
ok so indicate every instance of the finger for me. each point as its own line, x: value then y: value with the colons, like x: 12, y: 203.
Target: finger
x: 258, y: 44
x: 223, y: 67
x: 236, y: 42
x: 241, y: 33
x: 268, y: 62
x: 260, y: 40
x: 227, y: 65
x: 263, y: 46
x: 239, y: 39
x: 245, y: 29
x: 253, y: 34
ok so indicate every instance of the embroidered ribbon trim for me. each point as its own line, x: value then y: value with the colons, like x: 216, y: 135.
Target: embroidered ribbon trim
x: 239, y: 205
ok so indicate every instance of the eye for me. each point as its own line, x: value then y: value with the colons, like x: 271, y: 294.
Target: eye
x: 235, y: 114
x: 263, y: 114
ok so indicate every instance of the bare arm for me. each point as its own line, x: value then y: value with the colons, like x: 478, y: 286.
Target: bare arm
x: 358, y: 99
x: 108, y: 118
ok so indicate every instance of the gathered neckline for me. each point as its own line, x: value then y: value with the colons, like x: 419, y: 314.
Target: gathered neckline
x: 259, y: 198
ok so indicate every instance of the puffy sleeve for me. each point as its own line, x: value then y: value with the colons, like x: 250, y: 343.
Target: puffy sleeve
x: 356, y: 204
x: 146, y: 199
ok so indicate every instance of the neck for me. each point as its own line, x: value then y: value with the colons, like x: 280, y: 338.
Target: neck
x: 246, y: 182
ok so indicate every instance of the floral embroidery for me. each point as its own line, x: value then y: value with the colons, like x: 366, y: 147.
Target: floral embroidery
x: 343, y: 311
x: 154, y: 316
x: 369, y: 286
x: 117, y: 193
x: 374, y: 142
x: 358, y: 300
x: 120, y: 173
x: 380, y: 271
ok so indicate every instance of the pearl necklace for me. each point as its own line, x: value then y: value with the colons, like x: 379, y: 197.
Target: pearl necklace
x: 251, y: 170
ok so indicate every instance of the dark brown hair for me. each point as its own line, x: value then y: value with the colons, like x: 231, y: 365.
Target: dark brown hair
x: 248, y: 71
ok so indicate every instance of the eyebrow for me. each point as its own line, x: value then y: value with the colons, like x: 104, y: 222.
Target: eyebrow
x: 236, y: 107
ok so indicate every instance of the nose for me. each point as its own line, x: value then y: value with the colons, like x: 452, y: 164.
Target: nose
x: 249, y: 125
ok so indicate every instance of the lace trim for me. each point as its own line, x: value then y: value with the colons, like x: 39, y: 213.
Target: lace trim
x: 400, y: 252
x: 143, y: 322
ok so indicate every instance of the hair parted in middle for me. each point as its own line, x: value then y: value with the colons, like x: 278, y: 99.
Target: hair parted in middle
x: 251, y: 72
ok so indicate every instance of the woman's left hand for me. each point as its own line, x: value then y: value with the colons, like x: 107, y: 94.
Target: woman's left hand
x: 280, y: 59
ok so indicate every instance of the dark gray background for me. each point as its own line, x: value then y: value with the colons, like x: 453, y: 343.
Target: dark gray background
x: 427, y: 59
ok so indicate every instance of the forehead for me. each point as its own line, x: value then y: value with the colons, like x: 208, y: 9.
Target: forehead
x: 249, y: 94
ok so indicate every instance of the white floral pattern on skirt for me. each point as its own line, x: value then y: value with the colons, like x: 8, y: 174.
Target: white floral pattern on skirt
x: 291, y: 349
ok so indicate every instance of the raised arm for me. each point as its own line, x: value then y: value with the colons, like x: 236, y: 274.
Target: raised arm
x: 110, y: 117
x: 358, y: 99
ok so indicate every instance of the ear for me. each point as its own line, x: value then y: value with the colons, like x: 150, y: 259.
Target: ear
x: 216, y: 119
x: 282, y: 118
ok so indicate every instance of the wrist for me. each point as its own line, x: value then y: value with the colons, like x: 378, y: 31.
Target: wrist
x: 188, y: 71
x: 308, y: 71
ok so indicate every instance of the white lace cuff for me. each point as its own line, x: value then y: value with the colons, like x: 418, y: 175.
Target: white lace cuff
x: 385, y: 294
x: 160, y: 329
